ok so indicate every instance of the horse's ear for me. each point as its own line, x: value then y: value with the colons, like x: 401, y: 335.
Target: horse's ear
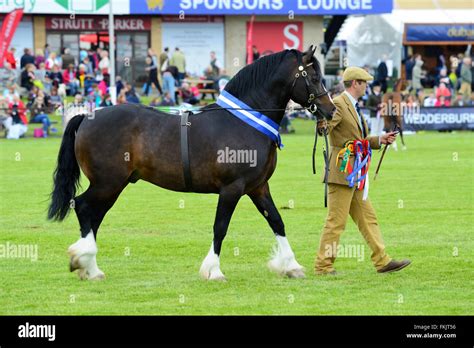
x: 308, y: 55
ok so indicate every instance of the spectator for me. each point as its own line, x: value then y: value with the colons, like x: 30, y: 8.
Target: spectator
x: 130, y: 95
x: 152, y: 69
x: 430, y: 101
x: 421, y: 97
x: 7, y: 76
x: 55, y: 75
x: 70, y: 80
x: 95, y: 95
x: 118, y: 84
x: 443, y: 78
x: 255, y: 55
x: 11, y: 94
x: 104, y: 63
x: 81, y: 75
x: 106, y: 101
x: 38, y: 114
x: 51, y: 61
x: 169, y: 84
x: 55, y: 99
x: 42, y: 75
x: 39, y: 58
x: 10, y: 57
x: 466, y: 81
x: 16, y: 122
x: 442, y: 101
x: 179, y: 61
x: 444, y: 91
x: 166, y: 100
x: 46, y: 51
x: 458, y: 101
x: 189, y: 94
x: 214, y: 66
x: 28, y: 77
x: 27, y: 58
x: 417, y: 75
x: 164, y: 59
x: 453, y: 78
x: 382, y: 74
x: 89, y: 66
x: 374, y: 103
x: 409, y: 64
x: 67, y: 59
x: 155, y: 102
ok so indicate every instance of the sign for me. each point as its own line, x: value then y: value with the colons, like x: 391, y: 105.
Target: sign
x: 445, y: 118
x: 260, y: 7
x: 8, y: 30
x: 271, y: 37
x: 82, y: 23
x: 196, y: 41
x: 65, y: 6
x: 447, y: 33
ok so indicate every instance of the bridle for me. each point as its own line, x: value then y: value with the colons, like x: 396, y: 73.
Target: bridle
x: 312, y: 94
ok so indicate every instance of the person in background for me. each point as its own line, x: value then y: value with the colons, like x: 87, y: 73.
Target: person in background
x: 106, y: 101
x: 466, y: 80
x: 382, y: 74
x: 166, y: 100
x: 52, y: 61
x: 442, y: 101
x: 10, y: 57
x: 16, y: 123
x: 409, y: 64
x: 189, y: 94
x: 42, y: 75
x: 169, y: 84
x: 374, y: 103
x: 458, y: 102
x: 130, y: 95
x: 28, y: 77
x: 67, y: 59
x: 70, y: 80
x: 55, y: 99
x: 104, y: 63
x: 89, y: 67
x: 118, y: 84
x: 443, y: 90
x: 179, y: 61
x: 155, y: 102
x: 11, y: 93
x: 429, y: 101
x: 152, y: 69
x: 46, y: 51
x: 39, y: 57
x: 38, y: 114
x: 26, y: 58
x: 421, y: 97
x: 7, y: 76
x: 164, y: 59
x: 417, y: 74
x: 255, y: 55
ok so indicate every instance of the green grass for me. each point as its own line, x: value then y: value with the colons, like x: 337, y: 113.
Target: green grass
x: 423, y: 199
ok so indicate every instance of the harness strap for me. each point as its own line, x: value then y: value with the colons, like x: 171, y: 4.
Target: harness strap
x: 185, y: 150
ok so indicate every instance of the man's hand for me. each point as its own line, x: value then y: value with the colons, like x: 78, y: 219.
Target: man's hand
x: 388, y: 138
x: 322, y: 126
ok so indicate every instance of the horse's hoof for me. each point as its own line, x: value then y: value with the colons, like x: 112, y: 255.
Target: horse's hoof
x: 82, y: 274
x: 295, y: 273
x: 219, y: 278
x: 73, y: 263
x: 99, y: 276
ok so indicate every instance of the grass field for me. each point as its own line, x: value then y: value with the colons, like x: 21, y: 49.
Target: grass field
x: 150, y: 247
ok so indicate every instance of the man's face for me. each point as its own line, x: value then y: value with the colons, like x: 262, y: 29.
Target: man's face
x: 377, y: 90
x: 360, y: 87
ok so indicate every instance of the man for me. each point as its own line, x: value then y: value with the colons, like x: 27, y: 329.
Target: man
x: 26, y: 58
x: 67, y: 58
x: 374, y: 105
x: 348, y: 124
x: 382, y: 74
x: 164, y: 59
x: 179, y: 61
x: 466, y: 80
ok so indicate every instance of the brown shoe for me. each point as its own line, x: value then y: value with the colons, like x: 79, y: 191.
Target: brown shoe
x: 394, y: 266
x: 333, y: 273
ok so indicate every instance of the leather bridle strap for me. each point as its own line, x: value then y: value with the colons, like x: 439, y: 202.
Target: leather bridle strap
x: 185, y: 124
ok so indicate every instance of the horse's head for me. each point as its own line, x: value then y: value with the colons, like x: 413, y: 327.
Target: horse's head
x: 307, y: 87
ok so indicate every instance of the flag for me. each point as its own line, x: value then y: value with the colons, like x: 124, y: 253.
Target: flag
x: 10, y: 24
x: 249, y: 41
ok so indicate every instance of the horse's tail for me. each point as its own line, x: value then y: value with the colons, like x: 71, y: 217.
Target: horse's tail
x: 66, y: 175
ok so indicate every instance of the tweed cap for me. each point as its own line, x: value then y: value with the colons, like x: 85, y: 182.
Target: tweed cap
x: 355, y: 73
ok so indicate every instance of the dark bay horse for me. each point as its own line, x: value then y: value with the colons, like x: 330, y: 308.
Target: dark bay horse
x: 121, y: 144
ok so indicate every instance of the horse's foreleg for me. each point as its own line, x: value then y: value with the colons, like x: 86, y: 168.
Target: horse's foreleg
x: 228, y: 198
x: 283, y: 261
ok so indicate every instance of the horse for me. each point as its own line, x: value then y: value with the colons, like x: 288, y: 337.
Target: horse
x: 392, y: 110
x: 125, y: 143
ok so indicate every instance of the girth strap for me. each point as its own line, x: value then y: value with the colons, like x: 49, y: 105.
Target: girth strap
x: 185, y: 124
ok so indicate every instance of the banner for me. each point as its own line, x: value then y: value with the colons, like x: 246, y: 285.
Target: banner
x: 249, y: 41
x: 420, y: 33
x: 444, y: 118
x: 437, y: 119
x: 261, y: 7
x: 8, y: 30
x: 68, y: 7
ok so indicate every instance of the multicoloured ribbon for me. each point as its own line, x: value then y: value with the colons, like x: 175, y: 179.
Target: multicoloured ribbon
x: 362, y: 153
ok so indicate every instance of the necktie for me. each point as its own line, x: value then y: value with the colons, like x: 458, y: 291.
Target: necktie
x: 361, y: 120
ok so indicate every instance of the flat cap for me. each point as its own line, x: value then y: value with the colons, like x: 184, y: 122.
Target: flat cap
x: 355, y: 73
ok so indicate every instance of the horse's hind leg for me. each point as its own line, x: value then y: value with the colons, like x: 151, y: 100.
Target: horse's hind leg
x: 91, y: 207
x: 229, y: 196
x: 283, y: 261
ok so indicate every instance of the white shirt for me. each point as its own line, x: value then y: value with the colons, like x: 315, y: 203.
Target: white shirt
x: 354, y: 102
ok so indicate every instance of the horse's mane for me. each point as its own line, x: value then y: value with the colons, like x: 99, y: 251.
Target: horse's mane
x: 252, y: 76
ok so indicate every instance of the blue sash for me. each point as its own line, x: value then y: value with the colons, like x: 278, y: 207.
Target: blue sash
x: 253, y: 118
